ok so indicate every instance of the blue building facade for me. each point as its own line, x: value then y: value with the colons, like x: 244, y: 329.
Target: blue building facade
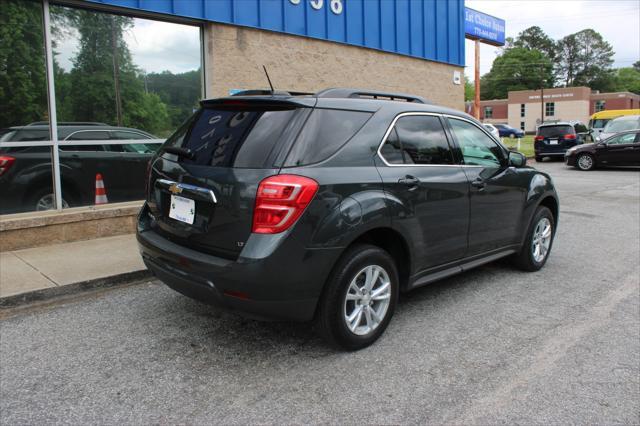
x: 428, y: 29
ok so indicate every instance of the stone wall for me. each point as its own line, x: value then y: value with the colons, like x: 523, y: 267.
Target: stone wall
x: 236, y: 55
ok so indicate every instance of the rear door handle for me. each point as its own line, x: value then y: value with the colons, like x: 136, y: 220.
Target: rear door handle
x: 478, y: 183
x: 411, y: 181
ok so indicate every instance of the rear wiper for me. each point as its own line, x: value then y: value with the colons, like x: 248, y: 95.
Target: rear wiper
x: 180, y: 152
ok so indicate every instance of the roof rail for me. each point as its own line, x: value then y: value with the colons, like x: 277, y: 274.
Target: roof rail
x: 68, y: 123
x: 340, y: 92
x: 265, y: 92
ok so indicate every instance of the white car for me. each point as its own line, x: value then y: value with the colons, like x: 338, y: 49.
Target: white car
x: 492, y: 129
x: 620, y: 124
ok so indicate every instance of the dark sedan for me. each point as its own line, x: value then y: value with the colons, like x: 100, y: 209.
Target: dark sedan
x: 508, y: 131
x: 622, y: 149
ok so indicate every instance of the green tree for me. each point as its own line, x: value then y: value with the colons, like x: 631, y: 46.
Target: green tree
x: 628, y: 80
x: 469, y: 90
x: 104, y: 85
x: 585, y: 59
x: 181, y: 92
x: 533, y: 38
x: 636, y: 65
x: 518, y: 68
x: 23, y: 87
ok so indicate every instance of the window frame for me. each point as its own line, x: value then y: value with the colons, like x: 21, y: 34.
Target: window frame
x: 599, y: 105
x: 452, y: 145
x: 523, y: 110
x: 488, y: 111
x: 549, y: 106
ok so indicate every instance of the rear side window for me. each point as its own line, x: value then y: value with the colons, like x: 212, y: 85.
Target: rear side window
x: 555, y: 131
x: 324, y: 133
x: 233, y: 138
x: 417, y: 139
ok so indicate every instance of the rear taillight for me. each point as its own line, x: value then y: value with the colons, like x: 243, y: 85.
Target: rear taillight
x: 280, y: 201
x: 5, y: 163
x: 569, y: 137
x: 539, y: 138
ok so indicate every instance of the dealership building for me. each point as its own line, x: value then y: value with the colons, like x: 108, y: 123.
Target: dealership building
x: 524, y: 109
x: 107, y: 73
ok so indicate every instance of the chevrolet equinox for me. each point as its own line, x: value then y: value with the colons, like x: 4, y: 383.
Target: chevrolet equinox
x: 326, y: 206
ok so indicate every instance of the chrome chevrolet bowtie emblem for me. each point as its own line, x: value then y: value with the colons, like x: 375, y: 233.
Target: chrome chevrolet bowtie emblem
x: 175, y: 189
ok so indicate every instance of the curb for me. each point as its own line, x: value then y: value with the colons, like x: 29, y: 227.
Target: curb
x: 46, y: 294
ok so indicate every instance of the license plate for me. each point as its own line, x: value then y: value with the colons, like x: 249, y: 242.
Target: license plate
x: 553, y: 141
x: 182, y: 209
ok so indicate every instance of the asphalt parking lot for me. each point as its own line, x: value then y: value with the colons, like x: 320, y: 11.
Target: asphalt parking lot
x: 491, y: 346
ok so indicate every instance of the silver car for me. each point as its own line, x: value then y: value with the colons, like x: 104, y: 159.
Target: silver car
x: 620, y: 124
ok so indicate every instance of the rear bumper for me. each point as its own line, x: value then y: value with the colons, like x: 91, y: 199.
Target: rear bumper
x: 284, y: 285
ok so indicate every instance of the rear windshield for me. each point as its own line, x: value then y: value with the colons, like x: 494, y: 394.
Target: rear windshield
x: 553, y: 131
x: 234, y: 138
x: 616, y: 126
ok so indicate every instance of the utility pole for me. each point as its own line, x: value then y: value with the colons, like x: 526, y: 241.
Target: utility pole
x: 116, y: 71
x: 476, y: 101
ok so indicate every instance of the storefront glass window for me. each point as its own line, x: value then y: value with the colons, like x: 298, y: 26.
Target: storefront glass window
x: 26, y: 181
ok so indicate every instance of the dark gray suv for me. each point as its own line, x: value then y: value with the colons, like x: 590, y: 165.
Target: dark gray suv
x: 326, y: 206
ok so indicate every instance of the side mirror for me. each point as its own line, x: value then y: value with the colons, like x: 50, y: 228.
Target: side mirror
x: 517, y: 159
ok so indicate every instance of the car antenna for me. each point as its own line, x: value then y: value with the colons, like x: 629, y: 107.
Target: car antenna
x: 268, y: 79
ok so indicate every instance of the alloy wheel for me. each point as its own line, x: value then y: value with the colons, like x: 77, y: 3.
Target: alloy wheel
x: 367, y: 300
x: 585, y: 162
x: 541, y: 240
x: 47, y: 202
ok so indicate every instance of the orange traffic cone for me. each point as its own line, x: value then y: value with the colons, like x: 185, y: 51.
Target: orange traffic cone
x: 101, y: 193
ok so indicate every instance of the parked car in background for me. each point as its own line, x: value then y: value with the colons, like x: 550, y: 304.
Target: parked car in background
x: 554, y: 139
x: 600, y: 119
x: 620, y: 124
x: 492, y: 129
x: 621, y: 149
x: 26, y: 181
x: 506, y: 131
x: 328, y: 206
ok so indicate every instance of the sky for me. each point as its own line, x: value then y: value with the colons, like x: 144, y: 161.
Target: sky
x: 155, y: 46
x: 618, y: 21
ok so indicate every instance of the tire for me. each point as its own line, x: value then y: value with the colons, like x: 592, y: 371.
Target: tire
x: 539, y: 159
x: 42, y: 199
x: 585, y: 162
x: 351, y: 273
x: 526, y: 259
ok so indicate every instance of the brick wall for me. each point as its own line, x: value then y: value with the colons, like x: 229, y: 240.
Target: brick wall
x: 236, y: 56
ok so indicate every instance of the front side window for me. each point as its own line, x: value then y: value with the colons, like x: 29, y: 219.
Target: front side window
x: 488, y: 112
x: 550, y: 109
x: 417, y: 139
x: 478, y: 149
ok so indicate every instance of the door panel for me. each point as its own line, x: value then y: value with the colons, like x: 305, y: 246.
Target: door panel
x: 619, y: 150
x: 428, y: 193
x: 496, y: 195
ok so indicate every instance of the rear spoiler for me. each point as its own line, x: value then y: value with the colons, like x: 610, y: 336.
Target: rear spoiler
x: 259, y: 102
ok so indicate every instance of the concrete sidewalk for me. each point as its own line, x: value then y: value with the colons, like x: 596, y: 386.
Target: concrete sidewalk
x: 51, y: 269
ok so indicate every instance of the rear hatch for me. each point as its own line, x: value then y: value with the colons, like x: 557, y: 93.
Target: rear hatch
x: 202, y: 185
x: 555, y: 138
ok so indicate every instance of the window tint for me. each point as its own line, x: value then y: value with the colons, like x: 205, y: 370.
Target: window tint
x: 555, y: 131
x: 125, y: 134
x: 324, y: 133
x: 417, y: 139
x: 231, y: 137
x: 89, y: 135
x: 478, y: 149
x: 622, y: 139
